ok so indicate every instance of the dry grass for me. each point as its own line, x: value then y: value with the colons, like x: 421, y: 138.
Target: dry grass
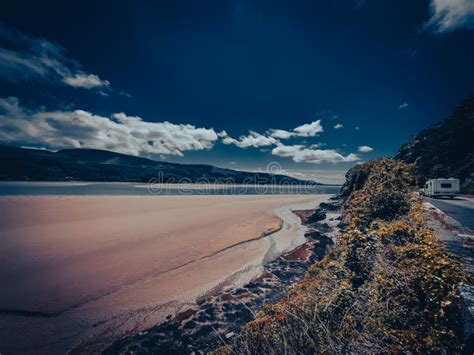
x: 387, y: 286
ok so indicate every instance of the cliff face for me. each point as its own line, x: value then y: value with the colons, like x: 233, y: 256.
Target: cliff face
x: 357, y: 176
x: 355, y: 179
x: 446, y: 149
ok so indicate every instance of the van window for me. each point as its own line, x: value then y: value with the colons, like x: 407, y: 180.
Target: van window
x: 446, y: 185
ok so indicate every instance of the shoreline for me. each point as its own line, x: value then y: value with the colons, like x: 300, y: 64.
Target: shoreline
x: 275, y: 244
x: 143, y: 189
x: 219, y: 315
x: 141, y: 184
x: 241, y: 258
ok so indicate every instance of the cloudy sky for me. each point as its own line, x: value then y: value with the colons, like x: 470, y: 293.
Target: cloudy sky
x: 316, y: 86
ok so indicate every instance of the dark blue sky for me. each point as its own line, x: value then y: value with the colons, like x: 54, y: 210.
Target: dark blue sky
x: 237, y: 66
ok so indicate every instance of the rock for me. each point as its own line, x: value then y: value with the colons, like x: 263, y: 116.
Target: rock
x: 317, y: 216
x: 330, y: 206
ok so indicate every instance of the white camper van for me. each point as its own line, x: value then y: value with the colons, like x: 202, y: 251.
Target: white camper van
x: 441, y: 187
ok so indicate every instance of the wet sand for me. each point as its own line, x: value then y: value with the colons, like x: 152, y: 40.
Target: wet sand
x: 217, y: 318
x: 83, y: 271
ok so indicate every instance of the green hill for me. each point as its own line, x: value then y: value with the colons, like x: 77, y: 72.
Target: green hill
x: 102, y: 165
x: 445, y: 149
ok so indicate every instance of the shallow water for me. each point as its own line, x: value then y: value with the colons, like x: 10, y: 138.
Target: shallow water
x: 132, y: 188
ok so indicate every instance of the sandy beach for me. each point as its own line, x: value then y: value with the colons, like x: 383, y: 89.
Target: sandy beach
x: 83, y: 271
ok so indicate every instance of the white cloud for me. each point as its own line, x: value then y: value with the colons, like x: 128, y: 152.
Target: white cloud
x: 309, y: 129
x: 338, y: 126
x: 280, y: 133
x: 306, y: 130
x: 82, y: 129
x: 300, y: 153
x: 253, y: 139
x: 27, y: 58
x: 273, y: 136
x: 450, y: 15
x: 403, y: 105
x: 317, y: 145
x: 87, y: 81
x: 365, y: 149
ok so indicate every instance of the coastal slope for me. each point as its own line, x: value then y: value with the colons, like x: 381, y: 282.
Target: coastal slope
x: 387, y: 286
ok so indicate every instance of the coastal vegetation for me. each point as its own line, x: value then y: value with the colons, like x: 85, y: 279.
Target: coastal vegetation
x: 386, y: 286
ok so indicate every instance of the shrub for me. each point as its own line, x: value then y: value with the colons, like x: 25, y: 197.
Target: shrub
x: 384, y: 194
x: 387, y: 286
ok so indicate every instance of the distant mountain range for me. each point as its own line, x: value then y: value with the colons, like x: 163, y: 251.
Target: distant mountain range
x: 102, y: 165
x: 445, y: 149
